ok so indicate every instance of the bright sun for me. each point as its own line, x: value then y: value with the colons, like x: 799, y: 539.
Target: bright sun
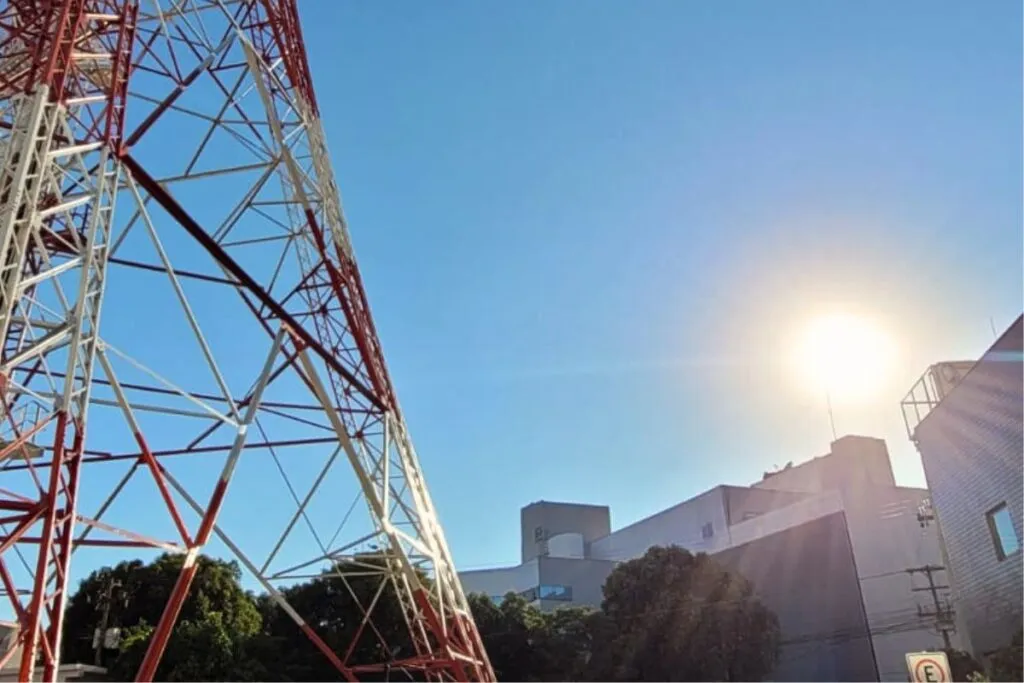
x: 845, y: 355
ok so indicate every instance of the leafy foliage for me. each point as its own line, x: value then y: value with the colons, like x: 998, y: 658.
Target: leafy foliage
x: 679, y: 616
x: 667, y: 616
x: 217, y: 617
x: 525, y: 644
x: 962, y: 665
x: 201, y: 650
x: 508, y: 632
x: 1007, y: 664
x: 334, y: 608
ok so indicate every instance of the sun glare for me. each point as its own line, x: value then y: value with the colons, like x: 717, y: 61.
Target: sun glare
x: 846, y: 355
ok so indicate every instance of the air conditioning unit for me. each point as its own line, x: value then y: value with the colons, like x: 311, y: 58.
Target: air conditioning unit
x: 945, y: 376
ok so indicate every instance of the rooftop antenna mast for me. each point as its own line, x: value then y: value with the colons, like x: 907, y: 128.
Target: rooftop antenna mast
x: 831, y: 416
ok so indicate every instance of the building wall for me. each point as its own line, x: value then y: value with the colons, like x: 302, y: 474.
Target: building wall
x: 879, y: 529
x: 742, y: 503
x: 802, y: 567
x: 69, y: 672
x: 806, y: 575
x: 65, y: 672
x: 887, y: 539
x: 542, y: 520
x: 584, y: 579
x: 9, y: 640
x: 971, y: 446
x: 854, y: 462
x: 805, y: 510
x: 685, y: 525
x: 548, y: 582
x: 495, y: 583
x: 799, y: 559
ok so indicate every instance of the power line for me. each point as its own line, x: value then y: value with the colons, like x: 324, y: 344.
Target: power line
x: 942, y: 613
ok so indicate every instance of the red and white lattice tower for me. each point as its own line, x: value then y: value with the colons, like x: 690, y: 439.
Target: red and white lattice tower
x: 163, y: 163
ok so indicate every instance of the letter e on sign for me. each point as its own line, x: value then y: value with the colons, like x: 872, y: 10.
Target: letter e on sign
x: 928, y: 667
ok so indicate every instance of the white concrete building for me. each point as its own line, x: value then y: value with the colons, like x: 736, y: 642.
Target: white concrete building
x: 827, y: 545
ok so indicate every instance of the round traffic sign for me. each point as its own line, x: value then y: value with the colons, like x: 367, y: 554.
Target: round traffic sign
x: 929, y: 670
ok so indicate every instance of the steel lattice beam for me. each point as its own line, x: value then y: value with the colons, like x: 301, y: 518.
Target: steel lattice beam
x: 236, y: 329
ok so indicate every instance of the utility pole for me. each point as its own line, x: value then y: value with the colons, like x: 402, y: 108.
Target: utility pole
x: 943, y: 615
x: 101, y: 639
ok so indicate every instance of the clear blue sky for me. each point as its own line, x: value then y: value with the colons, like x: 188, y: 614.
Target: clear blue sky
x: 589, y: 232
x: 587, y: 228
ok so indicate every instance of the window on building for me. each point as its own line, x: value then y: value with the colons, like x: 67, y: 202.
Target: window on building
x: 1004, y: 536
x: 707, y: 531
x: 538, y: 534
x: 555, y: 592
x: 530, y: 594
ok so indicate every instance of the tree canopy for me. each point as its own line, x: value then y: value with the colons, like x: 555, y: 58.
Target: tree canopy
x: 216, y: 620
x: 1008, y: 663
x: 963, y: 665
x: 525, y: 644
x: 334, y: 607
x: 676, y: 616
x: 669, y: 615
x: 225, y: 633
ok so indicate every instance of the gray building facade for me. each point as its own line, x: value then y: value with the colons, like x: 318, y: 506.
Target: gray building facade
x: 971, y: 446
x: 807, y: 576
x: 826, y: 545
x: 542, y: 522
x: 557, y: 566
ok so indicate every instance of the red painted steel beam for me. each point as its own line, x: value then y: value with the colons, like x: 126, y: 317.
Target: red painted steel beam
x: 93, y: 542
x: 18, y: 533
x: 36, y: 605
x: 20, y: 505
x: 58, y: 51
x: 12, y: 593
x: 64, y: 544
x: 203, y: 396
x: 345, y: 283
x: 284, y: 21
x: 165, y: 493
x: 96, y: 456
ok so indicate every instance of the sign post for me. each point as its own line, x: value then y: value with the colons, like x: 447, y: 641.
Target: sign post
x: 928, y: 667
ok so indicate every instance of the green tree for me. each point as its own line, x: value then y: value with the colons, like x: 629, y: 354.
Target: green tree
x: 567, y: 643
x: 676, y: 616
x: 962, y: 665
x: 509, y: 632
x: 216, y: 619
x: 1007, y: 664
x: 203, y: 650
x: 525, y: 644
x: 225, y: 633
x: 333, y: 607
